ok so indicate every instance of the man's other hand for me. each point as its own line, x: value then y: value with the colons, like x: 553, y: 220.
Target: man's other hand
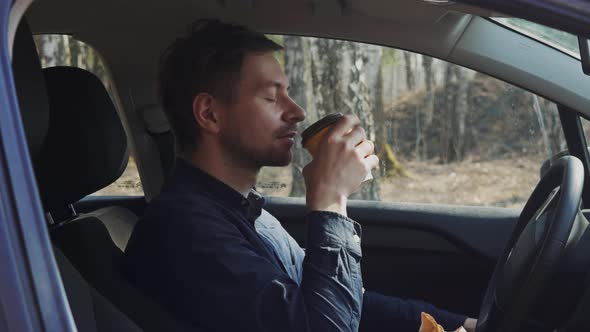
x: 341, y: 163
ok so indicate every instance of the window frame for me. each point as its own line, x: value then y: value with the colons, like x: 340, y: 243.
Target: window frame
x: 577, y: 145
x: 31, y: 291
x: 108, y: 83
x: 491, y: 76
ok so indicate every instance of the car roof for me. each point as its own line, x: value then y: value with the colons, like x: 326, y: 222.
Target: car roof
x: 130, y: 35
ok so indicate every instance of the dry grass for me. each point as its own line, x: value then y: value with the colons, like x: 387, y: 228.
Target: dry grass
x: 502, y: 183
x: 275, y: 181
x: 128, y: 184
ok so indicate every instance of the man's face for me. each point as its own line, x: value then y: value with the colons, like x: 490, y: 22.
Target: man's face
x: 258, y: 128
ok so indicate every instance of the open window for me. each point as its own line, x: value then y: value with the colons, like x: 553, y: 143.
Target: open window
x: 444, y: 134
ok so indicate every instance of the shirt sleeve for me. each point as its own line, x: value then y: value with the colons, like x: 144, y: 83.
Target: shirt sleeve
x: 332, y: 280
x: 213, y: 275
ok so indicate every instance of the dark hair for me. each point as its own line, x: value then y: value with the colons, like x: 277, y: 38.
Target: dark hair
x: 208, y: 59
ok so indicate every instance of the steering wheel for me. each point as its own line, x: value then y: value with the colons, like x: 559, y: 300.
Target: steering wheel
x: 535, y: 248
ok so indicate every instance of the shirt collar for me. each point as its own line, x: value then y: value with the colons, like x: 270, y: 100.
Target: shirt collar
x: 250, y: 207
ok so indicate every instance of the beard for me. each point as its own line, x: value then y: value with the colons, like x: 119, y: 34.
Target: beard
x: 252, y: 156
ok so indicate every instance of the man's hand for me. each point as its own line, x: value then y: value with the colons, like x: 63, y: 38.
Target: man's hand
x: 343, y: 159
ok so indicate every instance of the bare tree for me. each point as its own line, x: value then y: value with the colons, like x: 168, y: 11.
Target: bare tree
x: 453, y: 114
x: 445, y: 110
x: 553, y: 125
x: 298, y: 69
x: 360, y: 103
x: 428, y: 110
x: 460, y: 113
x: 550, y: 125
x: 328, y: 62
x: 411, y: 85
x: 541, y: 121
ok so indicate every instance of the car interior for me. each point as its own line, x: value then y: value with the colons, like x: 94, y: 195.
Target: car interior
x: 80, y: 139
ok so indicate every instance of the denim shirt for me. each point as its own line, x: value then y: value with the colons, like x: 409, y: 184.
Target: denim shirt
x: 219, y: 261
x: 380, y: 313
x: 290, y: 254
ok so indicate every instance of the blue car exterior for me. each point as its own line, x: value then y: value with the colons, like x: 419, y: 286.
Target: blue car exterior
x: 32, y: 297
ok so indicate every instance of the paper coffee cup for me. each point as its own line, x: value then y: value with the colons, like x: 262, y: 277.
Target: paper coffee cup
x: 312, y: 136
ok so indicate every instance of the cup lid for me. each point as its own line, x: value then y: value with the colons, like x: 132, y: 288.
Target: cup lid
x: 317, y: 126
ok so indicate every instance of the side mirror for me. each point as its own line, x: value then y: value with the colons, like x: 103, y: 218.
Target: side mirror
x: 585, y: 54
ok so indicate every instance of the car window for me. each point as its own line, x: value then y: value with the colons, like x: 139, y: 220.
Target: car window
x: 563, y: 41
x: 445, y: 134
x: 64, y: 50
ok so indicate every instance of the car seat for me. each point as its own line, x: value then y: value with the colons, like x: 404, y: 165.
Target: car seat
x: 91, y: 311
x: 78, y: 146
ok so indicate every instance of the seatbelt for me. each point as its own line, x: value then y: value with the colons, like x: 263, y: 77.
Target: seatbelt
x: 158, y: 130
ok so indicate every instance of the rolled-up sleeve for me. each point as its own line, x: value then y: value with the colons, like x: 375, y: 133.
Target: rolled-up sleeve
x: 332, y: 281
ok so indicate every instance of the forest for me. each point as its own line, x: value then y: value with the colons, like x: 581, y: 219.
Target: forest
x: 417, y: 109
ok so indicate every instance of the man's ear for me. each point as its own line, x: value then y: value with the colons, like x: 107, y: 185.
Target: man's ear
x: 204, y: 113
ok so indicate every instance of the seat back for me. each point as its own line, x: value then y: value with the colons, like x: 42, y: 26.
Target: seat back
x: 86, y: 148
x: 86, y: 242
x: 84, y: 151
x: 91, y: 311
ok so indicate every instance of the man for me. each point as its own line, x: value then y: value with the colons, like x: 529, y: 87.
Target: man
x: 206, y: 250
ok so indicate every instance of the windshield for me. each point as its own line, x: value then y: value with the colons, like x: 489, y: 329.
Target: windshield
x: 561, y: 40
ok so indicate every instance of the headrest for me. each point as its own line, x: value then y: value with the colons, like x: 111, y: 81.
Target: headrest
x: 86, y: 147
x: 30, y: 88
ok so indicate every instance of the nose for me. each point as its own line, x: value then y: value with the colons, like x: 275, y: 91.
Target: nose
x: 294, y: 113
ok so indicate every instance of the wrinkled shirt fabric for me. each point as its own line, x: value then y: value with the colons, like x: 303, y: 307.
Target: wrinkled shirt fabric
x: 219, y: 261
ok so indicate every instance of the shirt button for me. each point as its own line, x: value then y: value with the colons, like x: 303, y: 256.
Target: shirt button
x: 356, y: 238
x: 244, y: 202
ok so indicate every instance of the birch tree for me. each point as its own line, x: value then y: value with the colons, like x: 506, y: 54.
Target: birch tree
x: 298, y: 70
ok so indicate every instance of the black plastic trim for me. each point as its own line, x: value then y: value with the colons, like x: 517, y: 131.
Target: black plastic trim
x: 477, y: 231
x: 572, y: 15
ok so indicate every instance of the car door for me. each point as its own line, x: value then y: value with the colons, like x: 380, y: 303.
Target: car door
x: 32, y: 297
x: 437, y: 253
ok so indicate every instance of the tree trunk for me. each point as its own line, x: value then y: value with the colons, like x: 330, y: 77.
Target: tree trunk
x: 49, y: 50
x: 381, y: 125
x: 460, y: 114
x: 541, y: 121
x: 298, y: 70
x: 445, y: 112
x: 553, y: 124
x: 360, y: 103
x: 329, y: 82
x: 428, y: 110
x: 411, y: 86
x: 65, y: 51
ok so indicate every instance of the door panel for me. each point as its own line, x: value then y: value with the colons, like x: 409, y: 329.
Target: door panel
x: 441, y: 254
